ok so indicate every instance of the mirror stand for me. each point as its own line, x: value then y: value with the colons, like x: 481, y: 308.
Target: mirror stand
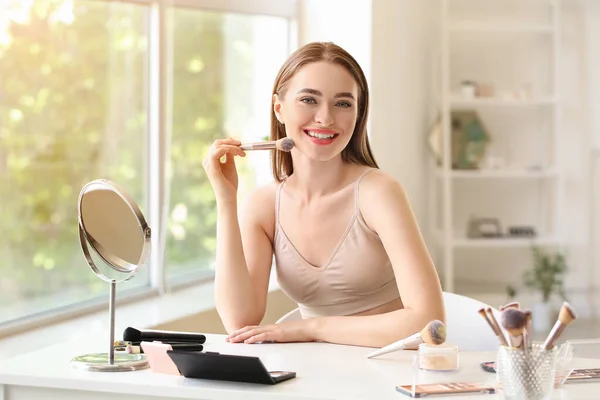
x: 111, y: 361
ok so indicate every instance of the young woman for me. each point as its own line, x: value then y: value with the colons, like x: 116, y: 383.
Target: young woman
x: 347, y: 246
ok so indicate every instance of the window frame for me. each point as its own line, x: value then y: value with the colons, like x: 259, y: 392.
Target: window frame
x: 157, y: 155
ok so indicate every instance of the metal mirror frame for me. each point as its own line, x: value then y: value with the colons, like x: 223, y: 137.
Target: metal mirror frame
x: 113, y: 261
x: 96, y: 361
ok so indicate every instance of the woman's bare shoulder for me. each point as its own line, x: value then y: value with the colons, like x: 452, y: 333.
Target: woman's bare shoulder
x: 378, y: 180
x: 259, y: 205
x: 381, y: 194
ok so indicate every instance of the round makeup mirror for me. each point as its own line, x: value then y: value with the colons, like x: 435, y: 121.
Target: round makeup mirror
x: 112, y: 229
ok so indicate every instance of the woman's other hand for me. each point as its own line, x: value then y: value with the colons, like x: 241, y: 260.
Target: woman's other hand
x: 296, y: 331
x: 223, y: 175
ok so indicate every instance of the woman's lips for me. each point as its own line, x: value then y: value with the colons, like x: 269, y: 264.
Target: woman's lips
x: 321, y: 141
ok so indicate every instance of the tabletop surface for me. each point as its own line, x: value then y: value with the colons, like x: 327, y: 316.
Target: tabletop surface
x: 324, y: 371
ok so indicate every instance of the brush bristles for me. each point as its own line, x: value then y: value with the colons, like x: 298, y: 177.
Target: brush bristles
x: 285, y: 144
x: 566, y: 314
x: 513, y: 319
x: 132, y: 335
x: 434, y: 333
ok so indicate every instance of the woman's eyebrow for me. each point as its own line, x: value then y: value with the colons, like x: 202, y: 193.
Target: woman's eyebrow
x: 318, y: 93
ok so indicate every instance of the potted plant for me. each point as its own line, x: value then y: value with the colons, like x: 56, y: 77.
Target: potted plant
x: 511, y: 293
x: 546, y: 277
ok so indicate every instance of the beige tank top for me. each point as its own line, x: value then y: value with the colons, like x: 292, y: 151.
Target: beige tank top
x: 357, y: 277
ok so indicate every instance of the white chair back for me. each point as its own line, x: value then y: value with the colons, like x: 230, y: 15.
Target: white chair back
x: 465, y: 327
x: 293, y: 315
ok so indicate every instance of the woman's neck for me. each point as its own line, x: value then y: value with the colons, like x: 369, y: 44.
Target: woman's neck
x: 313, y: 179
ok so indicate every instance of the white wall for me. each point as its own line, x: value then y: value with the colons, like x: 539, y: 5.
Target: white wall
x: 395, y: 45
x: 322, y: 21
x: 404, y: 54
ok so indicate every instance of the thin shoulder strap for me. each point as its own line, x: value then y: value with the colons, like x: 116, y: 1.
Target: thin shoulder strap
x: 277, y: 197
x: 356, y: 205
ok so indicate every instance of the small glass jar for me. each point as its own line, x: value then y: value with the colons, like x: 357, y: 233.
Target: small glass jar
x: 443, y: 357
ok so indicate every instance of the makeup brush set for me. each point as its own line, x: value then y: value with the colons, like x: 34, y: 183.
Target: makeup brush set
x: 515, y: 330
x: 527, y: 370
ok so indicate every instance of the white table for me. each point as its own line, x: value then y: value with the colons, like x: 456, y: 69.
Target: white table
x: 324, y: 371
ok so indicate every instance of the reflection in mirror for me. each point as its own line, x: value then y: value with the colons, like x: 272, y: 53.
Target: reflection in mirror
x: 113, y: 226
x: 113, y: 229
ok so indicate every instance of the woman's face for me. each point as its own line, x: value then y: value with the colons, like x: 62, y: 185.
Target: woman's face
x: 319, y: 109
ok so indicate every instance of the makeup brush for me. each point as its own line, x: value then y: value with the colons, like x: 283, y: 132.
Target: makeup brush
x: 514, y: 321
x: 565, y: 317
x: 283, y: 144
x: 514, y: 304
x: 135, y: 336
x: 433, y: 333
x: 492, y: 318
x: 495, y: 328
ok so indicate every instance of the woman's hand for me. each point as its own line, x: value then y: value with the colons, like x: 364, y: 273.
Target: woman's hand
x: 223, y: 175
x: 296, y: 331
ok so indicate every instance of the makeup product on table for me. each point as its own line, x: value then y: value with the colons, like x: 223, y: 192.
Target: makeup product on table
x: 584, y: 375
x: 433, y: 333
x: 136, y: 336
x: 443, y: 357
x: 159, y: 361
x: 120, y: 345
x: 226, y: 367
x: 284, y: 144
x: 489, y: 366
x: 445, y: 389
x: 565, y: 317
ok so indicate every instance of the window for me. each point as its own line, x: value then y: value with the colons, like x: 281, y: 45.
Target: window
x: 223, y: 70
x: 72, y: 108
x: 75, y: 105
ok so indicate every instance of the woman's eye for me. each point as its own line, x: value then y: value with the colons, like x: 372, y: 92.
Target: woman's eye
x: 344, y: 104
x: 308, y: 100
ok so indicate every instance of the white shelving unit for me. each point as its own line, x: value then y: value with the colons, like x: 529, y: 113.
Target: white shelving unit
x: 538, y: 117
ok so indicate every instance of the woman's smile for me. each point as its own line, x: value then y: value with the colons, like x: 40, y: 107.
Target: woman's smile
x: 321, y: 137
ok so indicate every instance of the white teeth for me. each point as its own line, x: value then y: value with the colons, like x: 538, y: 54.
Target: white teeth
x: 320, y: 135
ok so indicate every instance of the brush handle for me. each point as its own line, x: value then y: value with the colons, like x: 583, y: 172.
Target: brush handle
x: 409, y: 342
x: 259, y: 146
x: 496, y: 327
x: 516, y: 341
x: 554, y: 334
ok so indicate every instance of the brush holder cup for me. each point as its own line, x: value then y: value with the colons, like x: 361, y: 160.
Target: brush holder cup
x: 527, y: 374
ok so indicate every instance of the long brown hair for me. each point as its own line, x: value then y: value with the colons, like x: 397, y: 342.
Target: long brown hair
x: 358, y: 150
